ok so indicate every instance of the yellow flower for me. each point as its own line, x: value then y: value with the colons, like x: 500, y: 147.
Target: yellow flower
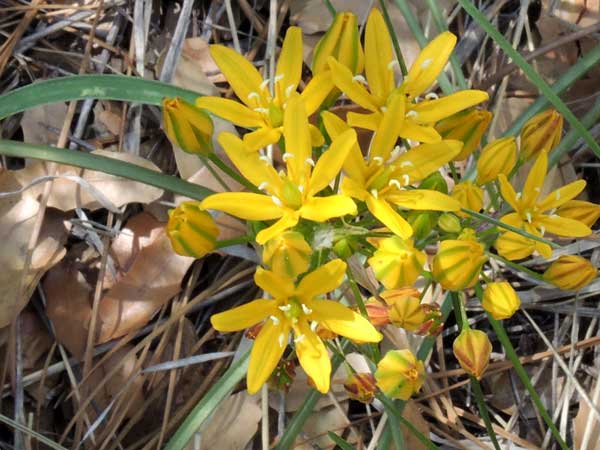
x: 500, y: 300
x: 582, y: 211
x: 467, y: 127
x: 297, y: 309
x: 381, y: 183
x: 400, y: 374
x: 570, y: 273
x: 191, y: 230
x: 472, y: 349
x: 513, y: 246
x: 413, y: 120
x: 260, y: 109
x: 288, y: 254
x: 541, y: 133
x: 186, y: 126
x: 498, y: 157
x: 457, y: 264
x: 342, y: 41
x: 289, y: 195
x: 469, y: 196
x: 396, y: 262
x: 406, y: 312
x: 539, y: 216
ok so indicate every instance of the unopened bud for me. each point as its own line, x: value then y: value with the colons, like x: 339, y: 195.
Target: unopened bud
x: 288, y: 254
x: 396, y: 263
x: 570, y: 273
x: 541, y: 133
x: 458, y: 263
x: 472, y: 349
x: 449, y: 223
x: 500, y: 300
x: 498, y: 157
x: 188, y: 127
x: 191, y: 230
x: 400, y: 374
x: 467, y: 127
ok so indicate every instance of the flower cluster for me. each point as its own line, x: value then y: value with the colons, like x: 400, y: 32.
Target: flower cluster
x: 381, y: 183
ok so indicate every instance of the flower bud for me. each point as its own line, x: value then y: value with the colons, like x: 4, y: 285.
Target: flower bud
x: 389, y: 297
x: 435, y: 182
x: 457, y: 264
x: 288, y: 254
x: 570, y: 273
x: 469, y: 195
x: 344, y: 247
x: 513, y: 246
x: 361, y: 387
x: 434, y: 322
x: 406, y: 312
x: 191, y: 230
x: 472, y: 349
x: 377, y: 312
x: 187, y: 127
x: 500, y: 300
x: 541, y: 133
x: 498, y: 157
x: 341, y: 41
x: 400, y: 374
x: 396, y: 263
x: 449, y: 223
x: 422, y: 222
x: 585, y: 212
x: 467, y: 127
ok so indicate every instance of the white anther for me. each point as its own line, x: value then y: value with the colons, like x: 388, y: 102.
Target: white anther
x: 432, y: 96
x: 264, y: 84
x: 378, y: 160
x: 306, y: 309
x: 406, y: 179
x: 425, y: 64
x: 287, y: 156
x: 395, y: 152
x: 383, y: 109
x: 278, y: 77
x: 288, y: 90
x: 281, y: 340
x: 374, y: 193
x: 262, y: 186
x: 261, y: 110
x: 394, y: 182
x: 310, y: 162
x: 406, y: 164
x: 285, y: 308
x: 557, y: 195
x: 528, y: 216
x: 360, y: 79
x: 281, y: 173
x: 252, y: 95
x: 519, y: 195
x: 542, y: 229
x: 552, y: 212
x: 276, y: 201
x: 299, y: 339
x: 392, y: 64
x: 412, y: 113
x: 313, y: 325
x: 264, y: 159
x: 300, y: 188
x: 274, y: 319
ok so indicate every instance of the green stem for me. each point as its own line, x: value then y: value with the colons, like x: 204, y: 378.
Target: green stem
x: 483, y: 410
x: 232, y: 173
x: 214, y: 172
x: 330, y: 7
x: 234, y: 241
x: 516, y: 266
x: 390, y: 26
x: 522, y: 374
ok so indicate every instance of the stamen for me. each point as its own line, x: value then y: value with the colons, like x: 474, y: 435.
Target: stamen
x: 306, y: 309
x: 406, y: 164
x: 528, y: 216
x: 374, y: 193
x: 395, y: 152
x: 519, y: 195
x: 262, y: 186
x: 542, y: 229
x: 264, y: 159
x: 310, y: 162
x: 276, y: 201
x: 313, y: 325
x: 274, y: 319
x: 285, y: 308
x: 552, y: 212
x: 432, y: 96
x: 264, y: 84
x: 383, y: 109
x: 261, y: 110
x: 278, y: 77
x: 378, y: 160
x: 287, y: 156
x: 252, y: 95
x: 299, y: 339
x: 557, y: 195
x: 289, y: 90
x: 281, y: 340
x: 406, y: 179
x: 301, y: 188
x: 392, y: 64
x: 412, y: 113
x: 425, y: 64
x: 394, y: 182
x: 360, y: 79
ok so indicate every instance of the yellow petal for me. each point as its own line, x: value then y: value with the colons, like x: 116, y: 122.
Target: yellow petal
x: 241, y: 74
x: 366, y: 121
x: 316, y: 138
x: 297, y: 139
x: 343, y: 79
x: 535, y: 181
x: 421, y: 161
x: 378, y: 56
x: 316, y: 91
x: 562, y: 226
x: 513, y: 246
x: 424, y: 199
x: 343, y: 321
x: 354, y: 189
x: 354, y: 165
x: 429, y: 64
x: 320, y: 209
x: 435, y: 110
x: 508, y: 192
x: 420, y: 133
x: 386, y: 135
x: 389, y: 217
x: 261, y: 138
x: 324, y: 279
x: 288, y: 220
x: 277, y: 285
x: 330, y: 162
x: 266, y: 353
x: 248, y: 163
x: 244, y: 316
x: 244, y: 205
x: 313, y: 356
x: 289, y: 66
x: 562, y: 195
x: 231, y: 110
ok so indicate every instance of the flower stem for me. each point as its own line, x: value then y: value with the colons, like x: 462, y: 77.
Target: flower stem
x: 232, y: 173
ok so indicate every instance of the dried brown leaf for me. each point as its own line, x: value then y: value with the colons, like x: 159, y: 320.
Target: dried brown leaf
x: 38, y: 122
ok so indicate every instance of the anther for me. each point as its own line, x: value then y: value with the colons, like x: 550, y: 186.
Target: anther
x: 406, y: 164
x: 276, y: 201
x: 412, y: 113
x: 278, y: 77
x: 264, y: 84
x: 285, y: 308
x: 310, y: 162
x: 252, y: 95
x: 281, y: 340
x: 406, y: 179
x: 274, y: 319
x: 394, y: 182
x: 392, y: 64
x: 262, y: 186
x: 432, y: 96
x: 306, y: 309
x: 374, y: 193
x: 289, y: 90
x: 557, y: 195
x: 360, y: 79
x: 287, y: 156
x: 261, y: 110
x: 426, y: 63
x: 528, y: 216
x: 378, y: 160
x: 313, y: 325
x: 299, y: 339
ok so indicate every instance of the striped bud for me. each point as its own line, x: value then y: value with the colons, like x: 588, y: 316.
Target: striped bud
x: 457, y: 264
x: 584, y: 212
x: 498, y: 157
x: 406, y: 312
x: 469, y: 195
x: 191, y: 230
x: 500, y: 300
x: 467, y: 127
x: 570, y: 273
x: 186, y: 126
x: 541, y: 133
x: 400, y: 374
x: 396, y: 263
x: 472, y: 349
x: 288, y: 254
